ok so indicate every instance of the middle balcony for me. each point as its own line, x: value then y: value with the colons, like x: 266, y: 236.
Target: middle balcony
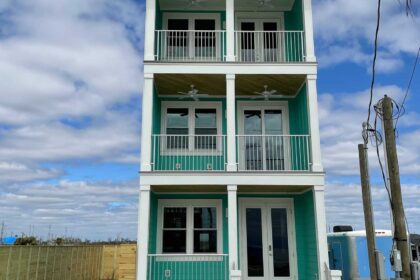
x: 190, y: 124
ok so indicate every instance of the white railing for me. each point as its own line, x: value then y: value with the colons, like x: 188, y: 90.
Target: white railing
x: 188, y: 152
x: 270, y: 46
x: 190, y: 45
x: 273, y: 152
x: 188, y: 267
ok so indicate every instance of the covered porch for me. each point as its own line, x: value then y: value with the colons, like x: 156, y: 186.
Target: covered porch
x: 217, y: 232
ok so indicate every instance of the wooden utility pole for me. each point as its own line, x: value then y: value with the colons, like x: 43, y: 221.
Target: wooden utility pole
x: 400, y: 234
x: 367, y: 208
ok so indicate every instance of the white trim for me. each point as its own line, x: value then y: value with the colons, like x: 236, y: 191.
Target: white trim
x: 265, y: 204
x: 233, y: 226
x: 237, y: 68
x: 143, y: 231
x: 265, y: 178
x: 192, y: 105
x: 321, y: 231
x: 147, y: 116
x: 190, y: 204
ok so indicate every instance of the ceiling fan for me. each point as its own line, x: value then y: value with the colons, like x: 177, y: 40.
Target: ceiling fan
x: 194, y: 3
x: 192, y: 93
x: 265, y: 4
x: 266, y: 93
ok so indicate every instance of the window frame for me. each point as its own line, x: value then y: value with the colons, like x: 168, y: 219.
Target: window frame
x: 192, y: 106
x: 190, y: 204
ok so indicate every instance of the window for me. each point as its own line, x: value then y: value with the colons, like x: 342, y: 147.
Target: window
x: 174, y: 230
x: 192, y: 229
x: 205, y: 230
x: 193, y: 126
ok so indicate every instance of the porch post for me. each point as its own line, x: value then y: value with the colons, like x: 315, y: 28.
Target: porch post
x: 309, y: 31
x: 146, y: 123
x: 234, y: 272
x: 143, y: 232
x: 231, y: 122
x: 230, y: 30
x: 321, y: 232
x: 314, y: 123
x: 149, y: 30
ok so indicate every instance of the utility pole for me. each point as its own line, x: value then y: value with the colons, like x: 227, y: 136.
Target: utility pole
x: 400, y: 234
x: 367, y: 206
x: 2, y: 233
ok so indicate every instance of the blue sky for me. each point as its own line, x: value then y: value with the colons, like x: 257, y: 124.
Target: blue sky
x: 71, y: 80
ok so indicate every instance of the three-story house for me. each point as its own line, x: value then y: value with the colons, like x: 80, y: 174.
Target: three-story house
x: 231, y: 179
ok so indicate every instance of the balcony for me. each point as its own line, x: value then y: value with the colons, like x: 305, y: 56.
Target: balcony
x: 210, y: 46
x: 188, y: 267
x: 208, y: 153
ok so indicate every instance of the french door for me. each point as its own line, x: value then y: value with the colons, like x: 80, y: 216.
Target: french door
x: 267, y: 241
x: 259, y: 40
x: 262, y: 144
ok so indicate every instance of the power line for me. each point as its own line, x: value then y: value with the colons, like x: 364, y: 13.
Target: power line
x: 375, y: 53
x: 408, y: 88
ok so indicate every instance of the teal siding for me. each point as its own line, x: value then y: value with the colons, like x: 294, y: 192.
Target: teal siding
x: 293, y: 20
x: 305, y: 227
x: 306, y: 236
x: 299, y: 125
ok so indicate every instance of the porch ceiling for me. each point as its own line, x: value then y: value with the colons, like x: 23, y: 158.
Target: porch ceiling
x: 220, y: 5
x: 215, y: 85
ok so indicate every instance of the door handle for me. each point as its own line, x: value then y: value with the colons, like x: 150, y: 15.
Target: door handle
x: 270, y: 252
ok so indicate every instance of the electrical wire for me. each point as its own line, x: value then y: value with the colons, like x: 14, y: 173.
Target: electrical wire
x: 408, y: 88
x: 375, y: 53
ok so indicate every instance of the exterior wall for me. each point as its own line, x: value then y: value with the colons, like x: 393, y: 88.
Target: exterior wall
x: 293, y: 20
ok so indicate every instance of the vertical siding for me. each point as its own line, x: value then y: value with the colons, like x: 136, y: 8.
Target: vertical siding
x: 306, y: 236
x: 293, y: 20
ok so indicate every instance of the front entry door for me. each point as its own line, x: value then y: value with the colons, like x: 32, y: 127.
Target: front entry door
x: 268, y: 246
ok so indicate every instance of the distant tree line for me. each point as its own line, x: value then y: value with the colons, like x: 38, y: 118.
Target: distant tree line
x: 32, y: 240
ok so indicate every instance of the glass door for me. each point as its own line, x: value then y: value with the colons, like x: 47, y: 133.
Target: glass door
x: 259, y: 40
x: 262, y: 145
x: 268, y: 245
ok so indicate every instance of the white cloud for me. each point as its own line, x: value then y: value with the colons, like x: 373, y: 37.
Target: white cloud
x: 80, y: 208
x: 67, y: 64
x: 344, y: 205
x: 350, y: 38
x: 341, y: 134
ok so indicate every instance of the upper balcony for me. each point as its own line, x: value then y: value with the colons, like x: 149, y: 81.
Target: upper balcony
x: 251, y: 31
x: 210, y: 46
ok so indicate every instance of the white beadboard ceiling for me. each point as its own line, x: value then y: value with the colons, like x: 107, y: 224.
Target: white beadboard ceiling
x: 217, y: 5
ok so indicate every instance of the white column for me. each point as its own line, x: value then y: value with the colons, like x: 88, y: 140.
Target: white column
x: 230, y: 30
x: 314, y: 123
x: 309, y: 31
x: 143, y: 232
x: 149, y: 30
x: 233, y: 231
x: 231, y: 122
x: 146, y: 123
x: 321, y: 231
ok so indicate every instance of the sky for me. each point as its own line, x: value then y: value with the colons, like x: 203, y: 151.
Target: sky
x: 70, y: 104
